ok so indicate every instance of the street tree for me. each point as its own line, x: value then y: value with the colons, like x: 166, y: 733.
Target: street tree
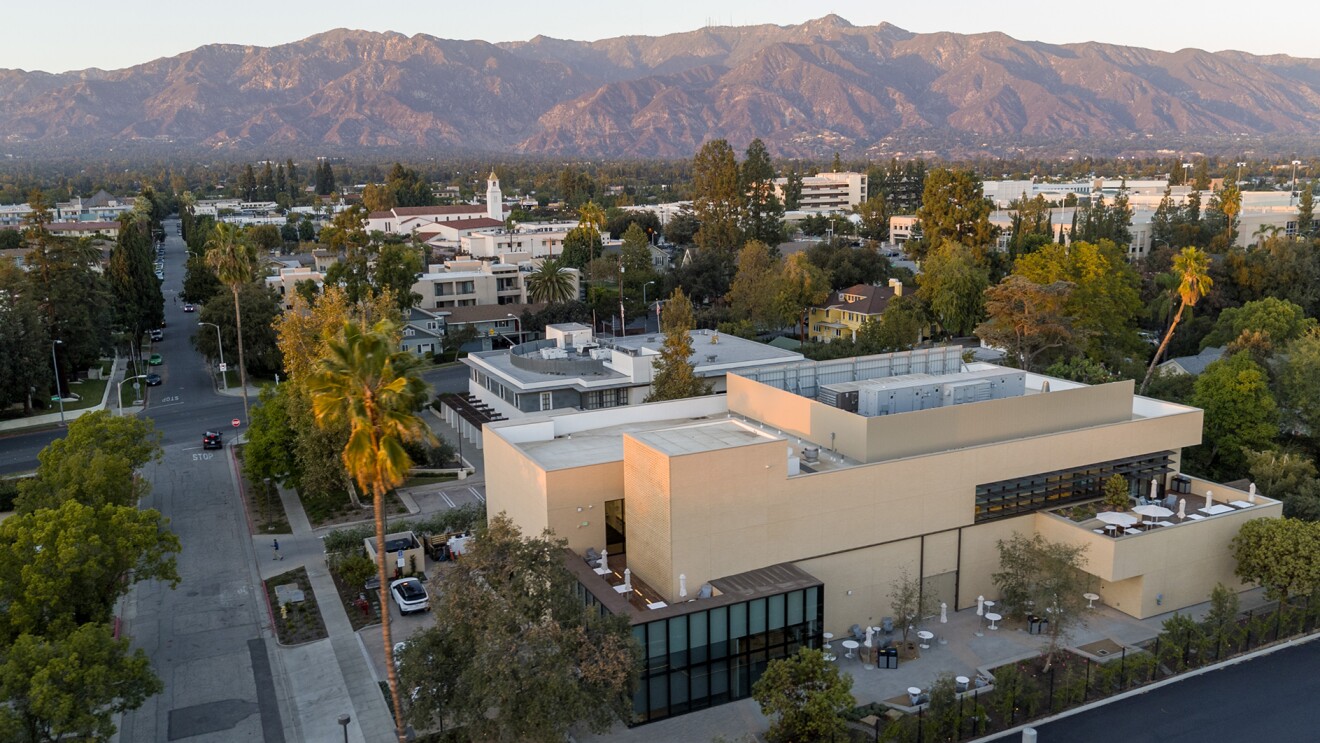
x: 848, y: 266
x: 550, y: 282
x: 675, y: 375
x: 66, y: 566
x: 260, y: 305
x: 874, y: 213
x: 953, y: 208
x: 716, y: 196
x: 953, y: 284
x: 805, y: 696
x: 1046, y: 578
x: 1105, y: 297
x: 1298, y: 378
x: 72, y: 686
x: 762, y: 214
x: 270, y: 453
x: 394, y: 271
x: 1028, y: 319
x: 1192, y: 267
x: 1240, y: 412
x: 1279, y: 556
x: 94, y: 464
x: 230, y: 259
x: 1274, y: 322
x: 752, y: 295
x: 801, y: 286
x: 139, y: 305
x: 23, y: 339
x: 514, y: 654
x: 370, y: 385
x: 1306, y: 210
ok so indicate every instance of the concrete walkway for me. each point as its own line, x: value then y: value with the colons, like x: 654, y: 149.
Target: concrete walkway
x: 317, y: 694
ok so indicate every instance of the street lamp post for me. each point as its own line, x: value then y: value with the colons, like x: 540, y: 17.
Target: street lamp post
x: 121, y: 391
x: 59, y: 392
x: 343, y: 723
x: 224, y: 381
x: 644, y: 304
x: 517, y: 325
x: 1239, y: 178
x: 1187, y: 173
x: 623, y: 322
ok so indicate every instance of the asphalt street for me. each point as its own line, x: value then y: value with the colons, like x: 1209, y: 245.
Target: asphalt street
x: 1265, y: 699
x: 209, y: 639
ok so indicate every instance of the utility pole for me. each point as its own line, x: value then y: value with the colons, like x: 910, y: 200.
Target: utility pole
x: 623, y: 322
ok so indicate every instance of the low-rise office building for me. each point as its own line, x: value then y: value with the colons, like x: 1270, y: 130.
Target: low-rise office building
x: 828, y: 192
x: 573, y: 369
x: 753, y: 522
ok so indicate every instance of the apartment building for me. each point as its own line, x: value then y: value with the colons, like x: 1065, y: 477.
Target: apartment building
x: 468, y: 283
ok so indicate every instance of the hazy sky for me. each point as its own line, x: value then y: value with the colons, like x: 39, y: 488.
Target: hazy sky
x: 110, y: 34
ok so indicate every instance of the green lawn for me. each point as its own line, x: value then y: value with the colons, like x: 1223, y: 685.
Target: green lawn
x: 91, y: 392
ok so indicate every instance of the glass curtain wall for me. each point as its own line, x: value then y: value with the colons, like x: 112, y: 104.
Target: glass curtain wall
x: 712, y: 656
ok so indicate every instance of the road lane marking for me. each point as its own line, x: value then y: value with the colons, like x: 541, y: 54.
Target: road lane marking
x: 445, y: 495
x: 480, y: 497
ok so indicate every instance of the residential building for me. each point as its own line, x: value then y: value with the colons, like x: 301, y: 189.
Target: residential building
x: 1192, y: 365
x: 574, y: 369
x: 751, y: 523
x: 846, y: 310
x: 468, y: 283
x: 423, y: 332
x: 286, y: 281
x: 449, y: 234
x: 108, y: 230
x: 536, y: 240
x: 828, y: 192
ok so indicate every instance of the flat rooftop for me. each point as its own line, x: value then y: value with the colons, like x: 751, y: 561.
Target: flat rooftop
x: 710, y: 350
x: 674, y: 437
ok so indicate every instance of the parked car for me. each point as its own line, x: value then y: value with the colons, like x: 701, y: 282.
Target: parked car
x: 157, y: 334
x: 155, y: 360
x: 153, y: 380
x: 188, y: 307
x: 211, y: 440
x: 410, y: 595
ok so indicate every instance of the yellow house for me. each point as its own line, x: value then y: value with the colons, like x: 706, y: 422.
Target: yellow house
x: 843, y: 314
x: 751, y: 523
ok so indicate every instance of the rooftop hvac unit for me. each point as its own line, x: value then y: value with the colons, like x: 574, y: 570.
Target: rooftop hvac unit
x: 811, y: 454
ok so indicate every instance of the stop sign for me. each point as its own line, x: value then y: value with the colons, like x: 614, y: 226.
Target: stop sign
x: 236, y: 422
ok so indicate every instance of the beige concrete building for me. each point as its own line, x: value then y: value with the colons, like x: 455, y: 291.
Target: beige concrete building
x: 828, y: 192
x: 468, y: 283
x: 852, y: 472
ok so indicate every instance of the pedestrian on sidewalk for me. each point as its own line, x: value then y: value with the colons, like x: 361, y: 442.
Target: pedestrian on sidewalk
x: 278, y: 556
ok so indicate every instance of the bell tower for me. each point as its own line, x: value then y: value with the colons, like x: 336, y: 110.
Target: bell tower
x: 494, y: 199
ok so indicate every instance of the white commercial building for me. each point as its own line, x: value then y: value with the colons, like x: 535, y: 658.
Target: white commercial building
x: 828, y: 192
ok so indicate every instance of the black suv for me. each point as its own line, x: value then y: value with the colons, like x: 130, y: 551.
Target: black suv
x: 211, y: 440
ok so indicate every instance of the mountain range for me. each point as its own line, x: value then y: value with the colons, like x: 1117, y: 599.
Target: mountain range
x: 806, y: 89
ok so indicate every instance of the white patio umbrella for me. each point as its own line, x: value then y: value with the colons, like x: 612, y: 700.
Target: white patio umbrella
x: 869, y: 631
x: 604, y: 558
x: 1251, y: 493
x: 944, y: 613
x: 682, y: 585
x: 1116, y: 518
x: 1154, y: 489
x: 1182, y: 508
x: 1209, y: 499
x: 627, y: 580
x: 980, y: 606
x: 1155, y: 512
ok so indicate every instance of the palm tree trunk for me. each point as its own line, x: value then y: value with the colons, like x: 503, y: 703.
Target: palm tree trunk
x: 242, y: 367
x: 378, y: 498
x: 1150, y: 372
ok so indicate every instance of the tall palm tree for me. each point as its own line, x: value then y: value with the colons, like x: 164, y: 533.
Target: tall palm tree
x: 551, y: 282
x: 228, y: 258
x: 1192, y: 267
x: 368, y: 384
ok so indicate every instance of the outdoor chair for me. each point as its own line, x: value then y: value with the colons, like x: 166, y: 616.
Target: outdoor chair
x: 857, y: 633
x: 887, y: 625
x: 592, y: 557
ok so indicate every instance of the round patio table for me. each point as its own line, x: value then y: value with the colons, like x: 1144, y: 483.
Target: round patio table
x: 993, y: 617
x: 925, y: 637
x: 850, y: 645
x: 1091, y: 598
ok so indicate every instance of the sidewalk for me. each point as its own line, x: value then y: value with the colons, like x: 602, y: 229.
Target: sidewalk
x: 317, y: 695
